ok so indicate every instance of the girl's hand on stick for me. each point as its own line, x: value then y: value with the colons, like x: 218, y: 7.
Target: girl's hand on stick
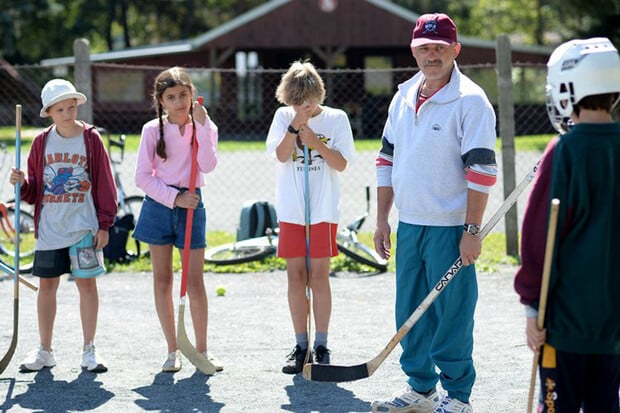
x: 187, y: 199
x: 200, y: 112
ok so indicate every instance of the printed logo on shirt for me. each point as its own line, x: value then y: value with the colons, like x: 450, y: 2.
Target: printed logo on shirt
x: 65, y: 179
x: 298, y: 152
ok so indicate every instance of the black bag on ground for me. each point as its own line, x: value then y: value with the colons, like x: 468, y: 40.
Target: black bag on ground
x: 116, y: 250
x: 255, y: 218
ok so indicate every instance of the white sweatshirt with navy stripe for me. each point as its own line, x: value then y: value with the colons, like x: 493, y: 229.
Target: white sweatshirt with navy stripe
x: 432, y: 157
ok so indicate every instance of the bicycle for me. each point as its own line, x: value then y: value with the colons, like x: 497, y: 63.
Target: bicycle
x: 8, y: 233
x: 261, y: 247
x: 127, y: 204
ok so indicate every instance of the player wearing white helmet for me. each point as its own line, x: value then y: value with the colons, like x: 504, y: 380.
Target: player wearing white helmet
x: 577, y: 69
x: 580, y: 363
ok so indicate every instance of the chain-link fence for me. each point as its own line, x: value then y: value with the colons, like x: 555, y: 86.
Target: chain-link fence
x: 242, y: 104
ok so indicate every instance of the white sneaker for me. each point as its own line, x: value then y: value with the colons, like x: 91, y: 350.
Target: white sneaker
x: 452, y: 405
x: 172, y: 363
x: 216, y: 363
x: 407, y: 400
x: 92, y: 361
x: 37, y: 359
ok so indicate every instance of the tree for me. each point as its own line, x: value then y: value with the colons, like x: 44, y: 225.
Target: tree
x: 534, y: 22
x: 32, y: 30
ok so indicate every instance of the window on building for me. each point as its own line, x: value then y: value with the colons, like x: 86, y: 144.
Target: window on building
x: 378, y: 77
x: 249, y: 86
x: 208, y: 84
x: 120, y: 86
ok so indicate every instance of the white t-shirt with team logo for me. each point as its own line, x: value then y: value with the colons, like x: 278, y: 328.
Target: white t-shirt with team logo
x: 332, y: 127
x: 68, y: 211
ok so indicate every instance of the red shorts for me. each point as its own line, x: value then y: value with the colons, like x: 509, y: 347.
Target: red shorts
x: 292, y: 240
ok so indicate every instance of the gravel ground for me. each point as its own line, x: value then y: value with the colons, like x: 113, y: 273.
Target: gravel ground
x: 250, y: 331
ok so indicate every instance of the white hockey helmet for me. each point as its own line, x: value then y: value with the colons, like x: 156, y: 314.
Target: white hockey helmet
x: 576, y: 69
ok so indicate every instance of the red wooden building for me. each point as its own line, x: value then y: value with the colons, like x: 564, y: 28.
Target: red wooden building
x: 250, y: 52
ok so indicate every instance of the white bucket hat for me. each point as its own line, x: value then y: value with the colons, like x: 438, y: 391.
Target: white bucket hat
x: 57, y: 90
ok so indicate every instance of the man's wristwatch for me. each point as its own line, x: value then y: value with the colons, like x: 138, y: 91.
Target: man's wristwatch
x: 472, y: 229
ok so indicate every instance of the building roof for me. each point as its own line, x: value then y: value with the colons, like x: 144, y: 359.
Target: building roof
x: 275, y: 24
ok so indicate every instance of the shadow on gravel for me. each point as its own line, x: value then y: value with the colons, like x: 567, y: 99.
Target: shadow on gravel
x: 188, y: 395
x: 355, y: 274
x: 58, y: 396
x: 309, y: 397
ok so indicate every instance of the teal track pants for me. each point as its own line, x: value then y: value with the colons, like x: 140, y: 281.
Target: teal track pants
x: 443, y: 337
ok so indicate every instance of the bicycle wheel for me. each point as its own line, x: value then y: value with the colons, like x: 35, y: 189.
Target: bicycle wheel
x: 26, y: 241
x: 239, y: 252
x: 361, y: 253
x: 133, y: 205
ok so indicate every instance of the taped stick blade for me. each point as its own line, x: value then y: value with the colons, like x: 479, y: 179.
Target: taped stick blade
x: 333, y: 373
x: 188, y: 349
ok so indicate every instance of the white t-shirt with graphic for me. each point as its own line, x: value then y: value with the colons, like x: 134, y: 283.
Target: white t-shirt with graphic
x: 332, y: 127
x: 68, y: 211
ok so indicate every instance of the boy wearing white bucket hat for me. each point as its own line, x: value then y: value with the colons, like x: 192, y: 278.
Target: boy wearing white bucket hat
x: 71, y: 186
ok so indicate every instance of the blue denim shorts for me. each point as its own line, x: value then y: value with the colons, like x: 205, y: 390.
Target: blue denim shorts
x: 160, y: 225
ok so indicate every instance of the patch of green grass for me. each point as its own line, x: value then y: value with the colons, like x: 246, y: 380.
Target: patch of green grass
x: 214, y: 238
x: 494, y: 253
x: 528, y: 142
x: 132, y: 141
x: 522, y: 143
x: 492, y: 257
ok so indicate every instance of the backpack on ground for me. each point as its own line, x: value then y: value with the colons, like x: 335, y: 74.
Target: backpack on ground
x: 255, y: 218
x: 116, y: 250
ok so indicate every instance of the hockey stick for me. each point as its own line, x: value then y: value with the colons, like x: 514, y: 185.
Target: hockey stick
x: 186, y: 347
x: 9, y: 354
x: 333, y: 373
x: 307, y: 219
x: 544, y: 288
x: 10, y: 233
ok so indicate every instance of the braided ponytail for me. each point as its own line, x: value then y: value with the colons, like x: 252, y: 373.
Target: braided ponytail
x: 175, y: 76
x: 161, y: 143
x: 191, y: 115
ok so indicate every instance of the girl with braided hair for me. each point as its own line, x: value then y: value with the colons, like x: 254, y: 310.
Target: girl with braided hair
x: 163, y: 173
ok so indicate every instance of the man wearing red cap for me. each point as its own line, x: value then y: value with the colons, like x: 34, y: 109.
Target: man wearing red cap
x: 436, y: 165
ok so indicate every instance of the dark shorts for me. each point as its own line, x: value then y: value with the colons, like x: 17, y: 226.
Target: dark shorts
x: 570, y: 381
x: 81, y: 260
x: 160, y: 225
x: 51, y: 263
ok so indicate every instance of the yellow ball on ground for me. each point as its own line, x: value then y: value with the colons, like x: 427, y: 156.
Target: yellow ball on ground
x: 220, y: 290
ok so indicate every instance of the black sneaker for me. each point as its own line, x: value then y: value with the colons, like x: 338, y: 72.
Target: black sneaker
x: 321, y: 355
x: 295, y: 361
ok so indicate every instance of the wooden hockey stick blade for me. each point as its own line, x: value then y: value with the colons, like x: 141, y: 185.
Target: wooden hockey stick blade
x: 28, y: 284
x: 9, y: 354
x: 334, y: 373
x: 188, y: 349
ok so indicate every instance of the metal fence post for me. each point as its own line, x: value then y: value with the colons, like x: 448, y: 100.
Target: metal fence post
x: 507, y: 133
x: 83, y: 78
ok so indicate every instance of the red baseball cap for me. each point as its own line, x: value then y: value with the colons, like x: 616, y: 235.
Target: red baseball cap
x: 434, y: 28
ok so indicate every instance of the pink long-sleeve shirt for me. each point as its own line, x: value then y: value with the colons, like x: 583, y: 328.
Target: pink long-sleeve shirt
x: 158, y: 177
